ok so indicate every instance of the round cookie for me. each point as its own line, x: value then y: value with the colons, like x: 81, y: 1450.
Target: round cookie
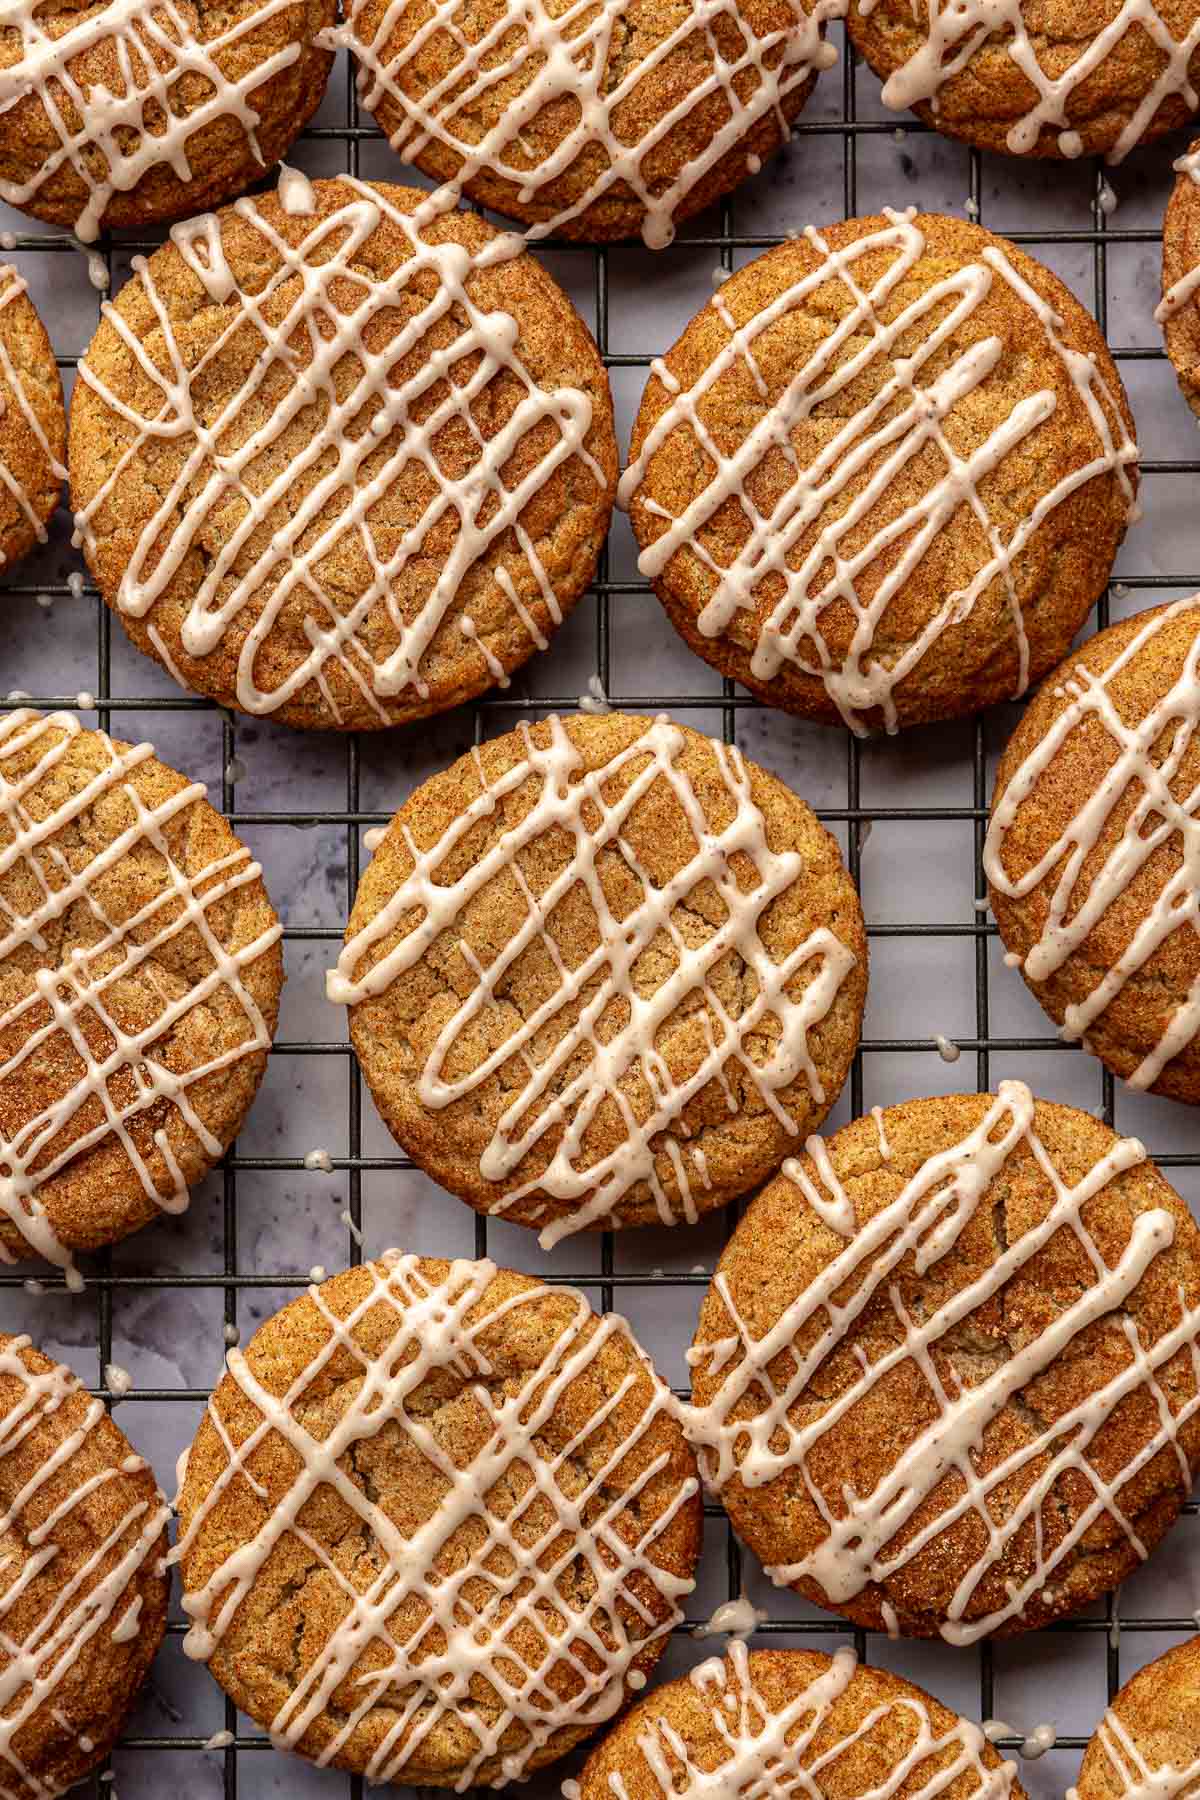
x: 945, y: 1378
x: 454, y: 1532
x: 791, y: 1722
x: 1178, y: 312
x: 1091, y: 854
x: 592, y: 123
x: 1148, y: 1742
x: 883, y: 474
x: 603, y: 972
x: 82, y: 1575
x: 1036, y: 77
x: 140, y: 972
x: 33, y: 425
x: 116, y: 115
x: 417, y: 459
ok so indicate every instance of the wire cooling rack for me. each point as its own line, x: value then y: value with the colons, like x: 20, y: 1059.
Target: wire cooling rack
x: 160, y: 1303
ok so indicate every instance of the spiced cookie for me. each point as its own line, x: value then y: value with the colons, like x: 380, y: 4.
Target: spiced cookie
x: 792, y: 1722
x: 1036, y: 77
x: 82, y: 1575
x: 603, y: 972
x: 593, y: 123
x: 945, y: 1379
x: 123, y: 113
x: 33, y: 425
x: 1148, y: 1742
x: 436, y: 1524
x: 883, y: 475
x: 1092, y: 851
x: 140, y: 972
x: 1178, y: 312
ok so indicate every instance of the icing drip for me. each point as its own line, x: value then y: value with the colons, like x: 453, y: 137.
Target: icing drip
x: 1143, y: 778
x: 924, y: 1222
x: 587, y: 1631
x: 587, y: 53
x: 92, y: 1597
x: 120, y: 1076
x: 957, y: 29
x: 892, y: 431
x: 319, y: 308
x: 109, y: 140
x: 1136, y: 1778
x: 738, y: 1618
x: 774, y: 1755
x: 568, y: 799
x: 11, y: 286
x: 1183, y: 290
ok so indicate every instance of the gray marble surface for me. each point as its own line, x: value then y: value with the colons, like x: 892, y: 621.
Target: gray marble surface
x: 288, y: 1220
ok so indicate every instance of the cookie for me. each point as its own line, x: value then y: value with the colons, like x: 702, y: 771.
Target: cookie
x: 794, y: 1722
x: 1091, y: 851
x: 340, y: 458
x: 946, y: 1376
x: 82, y: 1575
x: 1148, y: 1742
x: 33, y: 425
x: 603, y: 972
x: 1050, y: 79
x: 436, y: 1524
x: 596, y: 123
x: 882, y: 476
x: 1178, y: 312
x: 140, y: 972
x: 125, y: 115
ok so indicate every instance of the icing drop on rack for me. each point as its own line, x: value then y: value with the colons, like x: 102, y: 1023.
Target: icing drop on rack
x: 773, y: 1755
x: 333, y: 306
x: 925, y: 1220
x: 899, y: 423
x: 12, y: 285
x: 68, y: 1000
x: 109, y: 140
x: 957, y: 29
x: 1144, y: 772
x: 541, y: 59
x: 434, y: 1326
x: 566, y: 795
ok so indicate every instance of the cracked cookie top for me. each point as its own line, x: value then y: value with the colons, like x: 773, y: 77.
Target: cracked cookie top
x: 436, y: 1523
x: 603, y: 972
x: 947, y: 1377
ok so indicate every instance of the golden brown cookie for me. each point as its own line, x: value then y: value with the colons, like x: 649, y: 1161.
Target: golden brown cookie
x: 33, y: 425
x: 124, y: 113
x: 792, y: 1722
x: 1060, y: 78
x: 1093, y: 851
x: 882, y: 476
x: 1148, y: 1742
x: 140, y: 972
x: 945, y: 1379
x: 591, y: 122
x: 603, y: 972
x: 417, y: 460
x: 454, y: 1532
x: 82, y: 1575
x: 1179, y: 310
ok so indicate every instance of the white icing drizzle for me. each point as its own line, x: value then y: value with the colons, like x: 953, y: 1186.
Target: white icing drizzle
x: 297, y: 196
x: 900, y: 423
x: 566, y: 794
x: 1183, y: 290
x: 319, y: 1161
x: 926, y: 1220
x: 595, y: 1521
x: 89, y: 1598
x: 111, y: 140
x: 1143, y: 772
x: 117, y: 1380
x: 775, y: 1755
x: 215, y: 482
x: 12, y: 285
x: 947, y: 1049
x: 1032, y: 1744
x: 1137, y: 1778
x: 68, y: 999
x: 738, y: 1618
x: 570, y: 54
x: 595, y: 700
x: 885, y: 1149
x: 957, y: 29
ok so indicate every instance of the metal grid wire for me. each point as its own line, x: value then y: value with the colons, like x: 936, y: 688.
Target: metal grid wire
x: 497, y: 712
